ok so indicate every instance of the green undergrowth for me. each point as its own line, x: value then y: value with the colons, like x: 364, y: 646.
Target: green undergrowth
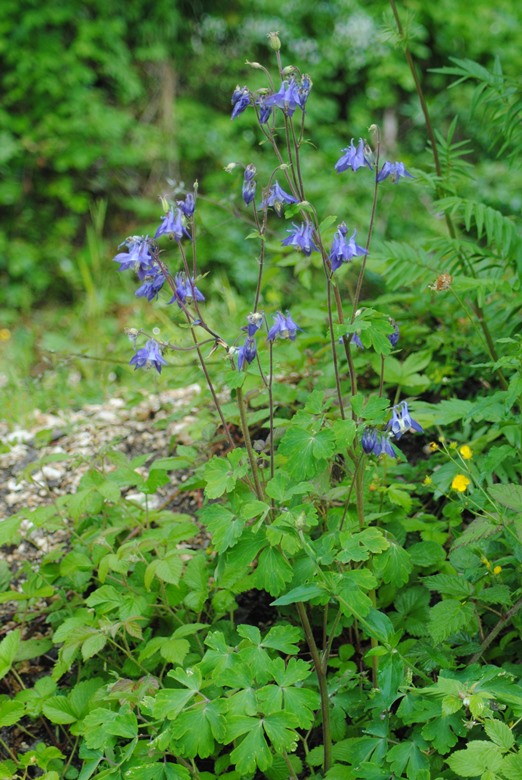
x: 321, y: 581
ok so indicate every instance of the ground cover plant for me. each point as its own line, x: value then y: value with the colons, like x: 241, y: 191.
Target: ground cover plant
x: 346, y: 601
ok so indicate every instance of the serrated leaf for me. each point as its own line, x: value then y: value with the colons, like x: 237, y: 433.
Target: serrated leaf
x: 478, y: 757
x: 507, y: 495
x: 511, y: 767
x: 500, y: 734
x: 169, y: 568
x: 8, y: 649
x: 221, y: 474
x: 10, y: 713
x: 449, y: 616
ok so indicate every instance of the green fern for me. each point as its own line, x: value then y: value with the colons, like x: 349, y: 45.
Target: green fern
x: 498, y: 230
x: 498, y: 98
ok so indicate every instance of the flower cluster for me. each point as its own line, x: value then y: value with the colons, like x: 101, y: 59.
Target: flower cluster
x: 292, y: 94
x: 378, y: 443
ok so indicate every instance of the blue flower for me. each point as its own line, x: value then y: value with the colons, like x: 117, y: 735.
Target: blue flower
x: 150, y: 355
x: 186, y: 291
x: 151, y: 286
x: 354, y: 158
x: 187, y: 206
x: 284, y: 327
x: 401, y: 421
x: 138, y: 258
x: 240, y: 100
x: 375, y: 443
x: 393, y: 338
x: 356, y: 341
x: 276, y: 198
x: 265, y: 112
x: 342, y: 250
x: 287, y: 99
x: 249, y: 184
x: 255, y: 320
x: 383, y: 446
x: 397, y: 170
x: 301, y: 238
x: 304, y: 90
x: 369, y: 440
x: 172, y: 226
x: 246, y: 353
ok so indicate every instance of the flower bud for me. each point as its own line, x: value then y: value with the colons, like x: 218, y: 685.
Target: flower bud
x: 274, y: 41
x: 230, y: 167
x: 255, y: 65
x: 289, y: 70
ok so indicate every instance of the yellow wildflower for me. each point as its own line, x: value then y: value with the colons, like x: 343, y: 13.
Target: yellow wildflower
x: 427, y: 480
x: 5, y: 334
x: 460, y: 483
x: 497, y: 569
x: 466, y: 452
x: 433, y: 446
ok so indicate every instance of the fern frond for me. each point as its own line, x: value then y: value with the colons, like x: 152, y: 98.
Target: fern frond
x: 498, y: 230
x: 402, y: 264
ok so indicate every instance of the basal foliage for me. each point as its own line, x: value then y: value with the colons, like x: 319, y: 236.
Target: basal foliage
x: 346, y: 603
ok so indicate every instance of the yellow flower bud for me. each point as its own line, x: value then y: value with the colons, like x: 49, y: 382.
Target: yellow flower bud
x: 497, y: 569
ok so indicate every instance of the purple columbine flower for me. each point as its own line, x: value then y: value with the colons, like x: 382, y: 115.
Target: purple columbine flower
x: 354, y: 158
x: 276, y: 198
x: 383, y: 446
x: 246, y: 353
x: 301, y: 238
x: 172, y: 226
x: 401, y: 421
x: 240, y: 100
x: 393, y: 338
x: 265, y: 112
x: 151, y: 286
x: 187, y: 206
x: 149, y: 356
x: 369, y: 440
x: 186, y: 291
x: 287, y: 99
x: 138, y: 258
x: 255, y: 320
x: 342, y: 250
x: 249, y: 184
x: 284, y: 327
x: 304, y: 90
x: 397, y: 170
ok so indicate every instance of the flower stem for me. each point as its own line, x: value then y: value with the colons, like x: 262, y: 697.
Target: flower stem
x: 248, y: 444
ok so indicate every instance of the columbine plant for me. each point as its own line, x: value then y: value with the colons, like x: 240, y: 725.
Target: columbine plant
x: 295, y: 517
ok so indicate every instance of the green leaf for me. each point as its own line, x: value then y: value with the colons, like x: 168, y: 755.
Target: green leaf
x: 58, y: 709
x: 300, y: 594
x: 500, y: 734
x: 169, y: 568
x: 511, y: 767
x: 277, y: 726
x: 393, y: 565
x: 477, y: 758
x: 273, y: 571
x: 8, y: 649
x: 507, y: 495
x: 10, y: 713
x: 307, y: 452
x: 449, y: 616
x: 283, y: 638
x: 408, y: 756
x: 253, y: 750
x: 221, y: 474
